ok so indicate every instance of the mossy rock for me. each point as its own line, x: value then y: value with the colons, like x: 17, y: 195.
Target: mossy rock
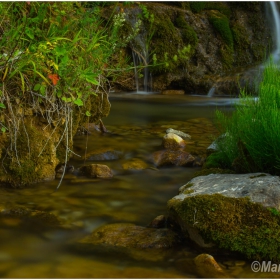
x: 235, y: 224
x: 189, y: 36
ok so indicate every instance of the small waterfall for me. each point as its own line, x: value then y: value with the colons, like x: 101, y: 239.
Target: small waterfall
x: 211, y: 92
x: 276, y: 30
x: 143, y: 79
x: 140, y: 54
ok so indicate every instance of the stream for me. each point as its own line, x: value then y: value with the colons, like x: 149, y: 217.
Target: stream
x: 136, y: 125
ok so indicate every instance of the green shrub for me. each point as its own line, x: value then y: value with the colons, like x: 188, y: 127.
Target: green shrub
x: 53, y: 63
x: 253, y: 140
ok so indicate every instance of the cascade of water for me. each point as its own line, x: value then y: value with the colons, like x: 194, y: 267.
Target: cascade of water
x: 140, y: 55
x: 211, y: 92
x: 276, y: 27
x: 143, y: 80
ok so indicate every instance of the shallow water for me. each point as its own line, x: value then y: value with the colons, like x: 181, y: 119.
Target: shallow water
x: 136, y: 125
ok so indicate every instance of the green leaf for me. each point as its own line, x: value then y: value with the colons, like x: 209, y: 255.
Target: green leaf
x: 60, y: 51
x: 77, y: 37
x: 88, y: 114
x: 37, y: 87
x: 59, y: 93
x: 92, y: 81
x: 2, y: 106
x: 79, y: 102
x: 43, y: 90
x: 3, y: 129
x: 66, y: 99
x: 29, y: 33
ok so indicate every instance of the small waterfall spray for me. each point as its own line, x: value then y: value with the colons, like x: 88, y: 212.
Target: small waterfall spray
x: 143, y: 79
x: 140, y: 54
x: 276, y: 29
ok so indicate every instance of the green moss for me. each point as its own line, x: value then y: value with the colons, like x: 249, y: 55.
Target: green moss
x: 180, y: 21
x: 188, y: 34
x: 260, y: 175
x: 221, y: 25
x: 207, y: 171
x: 227, y: 55
x: 241, y: 44
x: 172, y: 45
x: 26, y: 167
x: 238, y: 225
x: 219, y: 6
x: 274, y: 211
x: 197, y: 7
x: 188, y: 191
x: 188, y: 185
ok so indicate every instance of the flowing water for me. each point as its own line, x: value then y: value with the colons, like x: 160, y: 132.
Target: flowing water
x: 30, y: 248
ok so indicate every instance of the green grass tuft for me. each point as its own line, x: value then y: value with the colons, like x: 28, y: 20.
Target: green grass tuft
x: 253, y: 140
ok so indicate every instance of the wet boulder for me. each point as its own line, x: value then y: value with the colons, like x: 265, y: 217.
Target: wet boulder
x: 207, y: 267
x: 235, y: 212
x: 169, y: 157
x: 24, y: 217
x: 96, y: 171
x: 179, y: 133
x: 160, y: 221
x: 172, y: 141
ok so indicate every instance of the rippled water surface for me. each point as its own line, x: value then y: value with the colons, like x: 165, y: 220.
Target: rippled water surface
x: 136, y: 126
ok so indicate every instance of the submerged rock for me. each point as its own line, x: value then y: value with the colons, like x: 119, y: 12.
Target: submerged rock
x: 103, y: 154
x: 23, y: 217
x: 179, y: 133
x: 207, y: 267
x: 96, y: 171
x: 168, y: 157
x: 135, y: 164
x: 237, y: 212
x: 136, y: 241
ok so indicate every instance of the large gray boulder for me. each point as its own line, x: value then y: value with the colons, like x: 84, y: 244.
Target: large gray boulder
x: 259, y: 187
x: 237, y: 212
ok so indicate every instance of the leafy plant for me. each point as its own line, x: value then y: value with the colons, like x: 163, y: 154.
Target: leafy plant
x: 53, y: 61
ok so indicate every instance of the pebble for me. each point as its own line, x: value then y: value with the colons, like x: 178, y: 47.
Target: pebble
x: 179, y: 133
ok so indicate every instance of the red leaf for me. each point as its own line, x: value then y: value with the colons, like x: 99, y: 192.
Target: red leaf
x: 54, y: 78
